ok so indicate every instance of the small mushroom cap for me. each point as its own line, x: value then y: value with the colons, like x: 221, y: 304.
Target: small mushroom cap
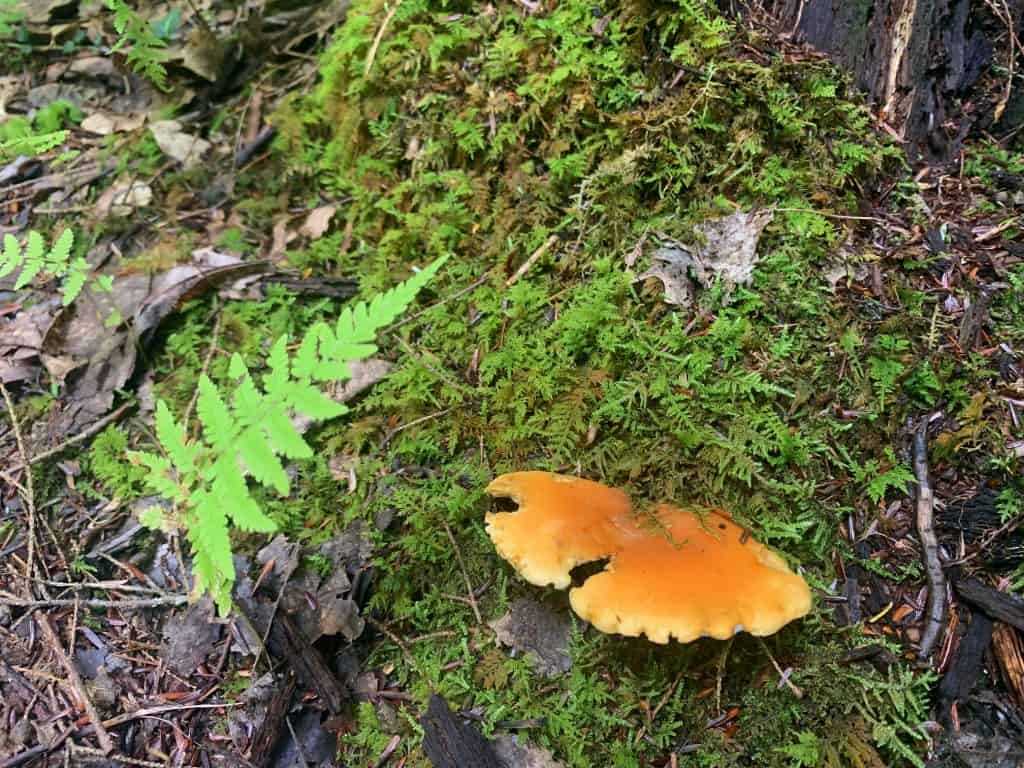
x: 683, y: 576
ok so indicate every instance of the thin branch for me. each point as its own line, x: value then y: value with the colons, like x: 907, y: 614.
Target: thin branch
x: 378, y: 38
x: 465, y: 573
x: 74, y: 681
x: 783, y: 674
x: 29, y: 495
x: 936, y: 607
x: 155, y: 602
x: 534, y: 257
x: 85, y: 434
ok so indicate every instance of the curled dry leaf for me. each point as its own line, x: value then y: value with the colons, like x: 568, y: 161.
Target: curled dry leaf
x: 174, y: 142
x: 317, y: 222
x: 678, y: 575
x: 728, y: 252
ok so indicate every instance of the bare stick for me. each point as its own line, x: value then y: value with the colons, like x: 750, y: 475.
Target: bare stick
x: 783, y: 674
x: 154, y: 602
x: 465, y: 573
x: 720, y: 673
x: 531, y: 261
x: 378, y: 37
x: 30, y: 495
x: 936, y: 607
x: 205, y: 369
x: 75, y: 681
x: 85, y: 434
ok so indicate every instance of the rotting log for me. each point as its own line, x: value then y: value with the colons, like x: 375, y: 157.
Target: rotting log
x: 917, y: 59
x: 270, y: 728
x: 997, y: 605
x: 287, y: 642
x: 966, y: 665
x: 1008, y: 648
x: 451, y: 743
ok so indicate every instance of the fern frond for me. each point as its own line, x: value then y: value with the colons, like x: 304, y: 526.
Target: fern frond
x: 60, y: 252
x: 357, y: 326
x: 212, y: 564
x: 208, y: 478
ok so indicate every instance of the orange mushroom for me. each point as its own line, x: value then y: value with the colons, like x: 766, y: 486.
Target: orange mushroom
x: 682, y: 576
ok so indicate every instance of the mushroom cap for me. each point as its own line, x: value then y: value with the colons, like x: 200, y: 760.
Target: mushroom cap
x: 683, y: 575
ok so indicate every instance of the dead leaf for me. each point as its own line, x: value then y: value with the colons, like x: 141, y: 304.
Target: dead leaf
x: 122, y: 199
x: 542, y: 634
x: 95, y: 360
x: 672, y: 265
x: 728, y: 253
x: 174, y: 142
x: 189, y: 637
x: 317, y: 222
x: 106, y: 123
x: 515, y: 753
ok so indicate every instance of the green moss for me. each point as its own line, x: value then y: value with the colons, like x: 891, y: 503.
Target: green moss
x: 611, y: 125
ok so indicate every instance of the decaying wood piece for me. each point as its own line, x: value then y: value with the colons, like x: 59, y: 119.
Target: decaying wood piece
x: 287, y: 642
x: 1008, y: 648
x: 935, y: 611
x: 965, y: 667
x: 261, y: 746
x: 998, y: 605
x: 451, y: 743
x: 916, y: 58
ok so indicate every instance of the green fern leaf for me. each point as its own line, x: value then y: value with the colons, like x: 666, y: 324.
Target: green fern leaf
x: 33, y: 260
x: 219, y: 428
x: 275, y: 383
x: 309, y: 400
x: 77, y: 275
x: 211, y: 548
x: 160, y: 477
x: 172, y: 437
x: 285, y: 439
x: 60, y: 253
x: 230, y: 488
x: 237, y: 368
x: 11, y: 258
x: 248, y: 402
x: 306, y: 358
x: 261, y: 462
x: 357, y: 326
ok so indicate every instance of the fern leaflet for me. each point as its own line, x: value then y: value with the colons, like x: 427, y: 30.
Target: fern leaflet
x: 35, y: 258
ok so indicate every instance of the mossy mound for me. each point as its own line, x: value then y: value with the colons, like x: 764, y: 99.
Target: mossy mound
x: 483, y: 131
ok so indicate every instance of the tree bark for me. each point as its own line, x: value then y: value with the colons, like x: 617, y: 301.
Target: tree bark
x: 918, y: 59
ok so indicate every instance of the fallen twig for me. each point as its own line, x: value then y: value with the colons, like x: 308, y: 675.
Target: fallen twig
x: 378, y: 37
x: 154, y: 602
x: 465, y: 573
x: 534, y: 257
x: 85, y: 434
x: 783, y: 674
x: 30, y: 496
x: 936, y: 607
x: 75, y: 682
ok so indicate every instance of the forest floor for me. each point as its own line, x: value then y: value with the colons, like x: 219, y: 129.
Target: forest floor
x: 572, y: 163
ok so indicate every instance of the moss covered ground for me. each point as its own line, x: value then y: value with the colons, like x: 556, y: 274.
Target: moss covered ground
x: 483, y: 131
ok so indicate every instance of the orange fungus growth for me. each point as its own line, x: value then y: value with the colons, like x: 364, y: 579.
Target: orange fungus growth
x: 675, y: 574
